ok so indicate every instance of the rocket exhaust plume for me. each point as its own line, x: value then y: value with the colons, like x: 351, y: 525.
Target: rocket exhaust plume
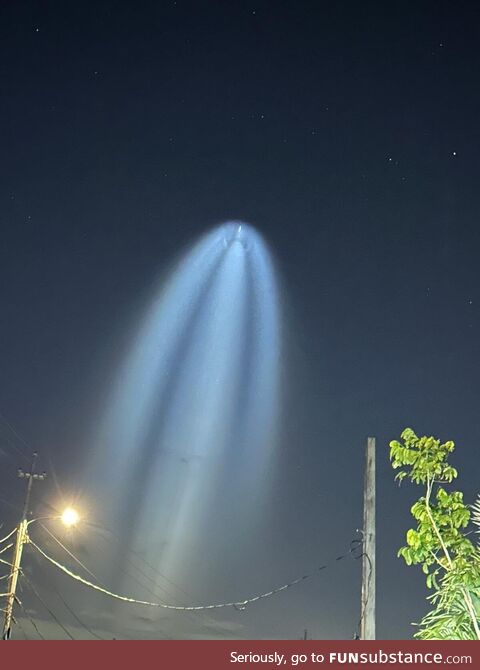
x: 188, y: 439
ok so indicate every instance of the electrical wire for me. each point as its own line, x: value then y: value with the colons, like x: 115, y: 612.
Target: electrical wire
x: 194, y: 617
x: 29, y: 618
x: 4, y: 539
x: 239, y: 605
x: 6, y: 548
x: 73, y: 613
x: 17, y: 435
x: 156, y: 572
x: 54, y: 617
x: 67, y: 606
x: 152, y: 580
x: 17, y: 508
x: 77, y: 560
x: 4, y: 442
x: 75, y: 616
x: 19, y: 623
x: 369, y: 579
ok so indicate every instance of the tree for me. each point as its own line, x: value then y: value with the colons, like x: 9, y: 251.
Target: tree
x: 440, y: 542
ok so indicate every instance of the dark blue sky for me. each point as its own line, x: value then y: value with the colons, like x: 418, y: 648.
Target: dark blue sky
x: 347, y: 133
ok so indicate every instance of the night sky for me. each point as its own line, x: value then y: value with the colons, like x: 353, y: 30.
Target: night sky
x: 347, y: 134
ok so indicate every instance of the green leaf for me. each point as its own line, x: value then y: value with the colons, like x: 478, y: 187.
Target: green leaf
x: 451, y: 564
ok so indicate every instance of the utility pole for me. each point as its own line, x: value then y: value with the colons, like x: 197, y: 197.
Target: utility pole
x: 367, y: 621
x: 21, y: 538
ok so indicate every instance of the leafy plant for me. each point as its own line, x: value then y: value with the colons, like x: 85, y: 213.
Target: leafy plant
x: 476, y: 513
x: 439, y: 542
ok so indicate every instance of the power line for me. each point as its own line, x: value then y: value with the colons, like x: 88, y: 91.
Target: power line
x: 2, y: 551
x: 369, y: 579
x: 6, y: 548
x: 129, y: 575
x: 77, y: 560
x: 17, y: 435
x: 8, y: 503
x: 152, y: 580
x: 6, y: 441
x: 363, y: 554
x: 30, y: 619
x: 74, y: 614
x: 7, y: 536
x: 156, y: 586
x: 54, y: 617
x: 17, y: 621
x: 20, y: 540
x: 156, y: 572
x: 21, y: 453
x: 239, y: 605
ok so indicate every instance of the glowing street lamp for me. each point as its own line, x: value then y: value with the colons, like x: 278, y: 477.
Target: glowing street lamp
x: 70, y: 517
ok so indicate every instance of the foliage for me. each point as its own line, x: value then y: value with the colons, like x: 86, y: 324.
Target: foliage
x: 476, y: 513
x: 439, y: 543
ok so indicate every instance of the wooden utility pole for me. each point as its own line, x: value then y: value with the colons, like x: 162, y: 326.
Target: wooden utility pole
x: 20, y: 539
x: 367, y: 614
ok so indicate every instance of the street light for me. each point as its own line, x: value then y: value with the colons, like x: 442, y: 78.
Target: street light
x: 70, y: 517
